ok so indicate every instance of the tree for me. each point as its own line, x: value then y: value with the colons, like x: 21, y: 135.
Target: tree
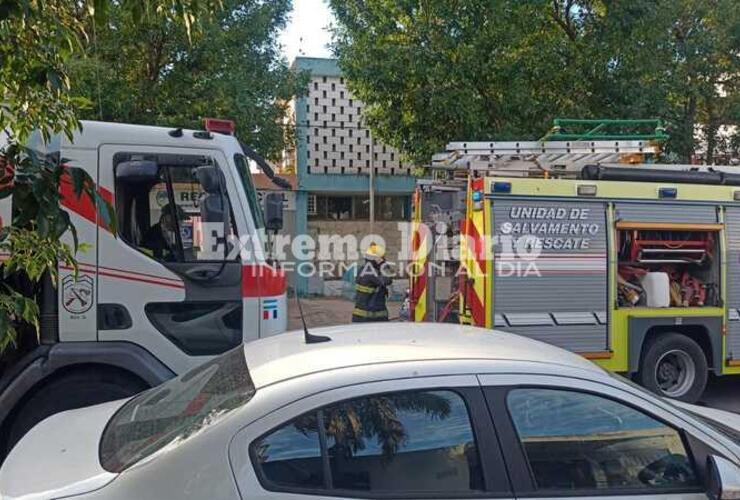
x: 352, y: 425
x: 440, y: 70
x: 37, y: 40
x: 151, y: 72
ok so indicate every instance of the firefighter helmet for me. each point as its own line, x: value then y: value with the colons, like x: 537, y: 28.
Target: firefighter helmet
x: 375, y: 252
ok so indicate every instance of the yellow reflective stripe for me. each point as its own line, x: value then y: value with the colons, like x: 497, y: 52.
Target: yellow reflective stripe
x: 365, y: 289
x: 369, y: 314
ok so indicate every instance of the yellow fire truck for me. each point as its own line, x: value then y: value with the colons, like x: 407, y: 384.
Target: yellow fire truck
x: 581, y: 240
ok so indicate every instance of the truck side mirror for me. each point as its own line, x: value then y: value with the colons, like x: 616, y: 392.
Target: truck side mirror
x: 137, y: 171
x: 274, y: 211
x: 723, y: 479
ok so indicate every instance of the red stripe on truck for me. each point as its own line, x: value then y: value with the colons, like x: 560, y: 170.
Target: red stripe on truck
x: 82, y: 205
x: 261, y: 280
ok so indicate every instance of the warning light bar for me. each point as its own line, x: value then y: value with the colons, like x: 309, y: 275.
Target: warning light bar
x: 220, y: 126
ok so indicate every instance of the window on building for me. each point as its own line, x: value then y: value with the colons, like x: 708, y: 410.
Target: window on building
x: 387, y: 208
x: 339, y: 207
x: 311, y: 208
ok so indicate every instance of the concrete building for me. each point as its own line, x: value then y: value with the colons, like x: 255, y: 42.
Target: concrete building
x: 333, y: 158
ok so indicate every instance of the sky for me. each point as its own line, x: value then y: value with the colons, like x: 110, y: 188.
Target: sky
x: 306, y: 33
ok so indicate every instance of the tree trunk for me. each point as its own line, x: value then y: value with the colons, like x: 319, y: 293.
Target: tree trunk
x: 710, y: 132
x: 686, y: 148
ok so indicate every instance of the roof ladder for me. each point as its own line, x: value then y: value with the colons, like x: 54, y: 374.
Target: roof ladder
x: 559, y: 153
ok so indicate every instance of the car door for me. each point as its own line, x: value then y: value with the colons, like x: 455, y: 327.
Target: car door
x: 413, y: 438
x: 580, y: 439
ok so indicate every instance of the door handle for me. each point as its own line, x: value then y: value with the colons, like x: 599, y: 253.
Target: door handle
x: 113, y: 317
x: 201, y: 273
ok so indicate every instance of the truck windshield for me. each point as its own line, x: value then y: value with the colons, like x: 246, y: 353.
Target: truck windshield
x: 242, y: 166
x: 169, y: 414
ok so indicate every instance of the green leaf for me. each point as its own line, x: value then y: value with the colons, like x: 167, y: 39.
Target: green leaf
x: 78, y: 176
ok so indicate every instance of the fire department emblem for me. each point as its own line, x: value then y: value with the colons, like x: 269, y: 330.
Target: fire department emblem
x: 77, y: 295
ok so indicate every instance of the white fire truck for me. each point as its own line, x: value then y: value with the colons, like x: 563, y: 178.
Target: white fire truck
x: 581, y: 240
x: 148, y: 302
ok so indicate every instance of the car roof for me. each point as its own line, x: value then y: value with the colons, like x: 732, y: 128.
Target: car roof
x: 287, y: 355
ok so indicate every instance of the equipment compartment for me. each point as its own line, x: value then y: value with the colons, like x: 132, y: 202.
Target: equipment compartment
x: 668, y: 265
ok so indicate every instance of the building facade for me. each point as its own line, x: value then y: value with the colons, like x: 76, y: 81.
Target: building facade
x: 333, y: 158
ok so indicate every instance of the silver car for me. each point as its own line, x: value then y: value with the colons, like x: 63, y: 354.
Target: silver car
x: 384, y: 411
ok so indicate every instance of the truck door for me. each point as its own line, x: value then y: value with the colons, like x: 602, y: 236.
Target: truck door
x: 163, y: 283
x: 550, y: 271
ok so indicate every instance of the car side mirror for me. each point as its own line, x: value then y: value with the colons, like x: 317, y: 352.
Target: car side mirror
x: 723, y: 479
x: 137, y: 171
x: 274, y: 211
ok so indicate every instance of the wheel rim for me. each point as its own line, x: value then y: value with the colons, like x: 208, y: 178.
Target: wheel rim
x: 675, y: 372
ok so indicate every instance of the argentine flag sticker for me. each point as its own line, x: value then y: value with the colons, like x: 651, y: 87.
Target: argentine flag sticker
x: 269, y: 308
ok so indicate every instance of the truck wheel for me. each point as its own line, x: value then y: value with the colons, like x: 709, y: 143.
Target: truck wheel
x: 673, y: 365
x: 74, y: 390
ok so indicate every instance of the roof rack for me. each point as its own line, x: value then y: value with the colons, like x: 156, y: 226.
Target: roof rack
x: 560, y: 153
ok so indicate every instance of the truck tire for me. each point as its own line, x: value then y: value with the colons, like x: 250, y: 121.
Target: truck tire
x: 674, y: 365
x: 72, y: 390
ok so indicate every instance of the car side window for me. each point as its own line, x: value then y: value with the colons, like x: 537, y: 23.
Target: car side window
x: 291, y: 455
x: 579, y: 441
x: 396, y: 443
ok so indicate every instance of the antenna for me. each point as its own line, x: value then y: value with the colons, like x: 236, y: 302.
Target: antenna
x: 308, y: 337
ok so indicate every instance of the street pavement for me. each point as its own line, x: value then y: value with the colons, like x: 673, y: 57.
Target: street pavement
x: 723, y: 393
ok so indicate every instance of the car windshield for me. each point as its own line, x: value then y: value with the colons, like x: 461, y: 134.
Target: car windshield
x: 171, y: 413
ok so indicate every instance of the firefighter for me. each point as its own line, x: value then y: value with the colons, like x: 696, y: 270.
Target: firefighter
x: 371, y: 288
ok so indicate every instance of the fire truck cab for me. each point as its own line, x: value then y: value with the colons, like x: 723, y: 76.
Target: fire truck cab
x: 181, y: 275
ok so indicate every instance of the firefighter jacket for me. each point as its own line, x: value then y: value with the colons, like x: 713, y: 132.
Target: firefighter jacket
x: 371, y: 292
